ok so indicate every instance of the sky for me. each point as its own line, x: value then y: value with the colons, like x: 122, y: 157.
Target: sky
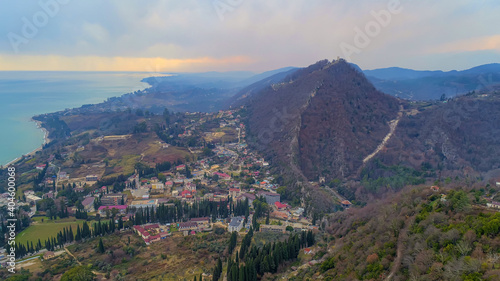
x: 252, y: 35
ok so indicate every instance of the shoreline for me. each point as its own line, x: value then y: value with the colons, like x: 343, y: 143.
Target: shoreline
x: 46, y: 140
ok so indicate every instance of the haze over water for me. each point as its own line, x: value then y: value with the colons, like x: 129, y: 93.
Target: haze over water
x: 25, y: 94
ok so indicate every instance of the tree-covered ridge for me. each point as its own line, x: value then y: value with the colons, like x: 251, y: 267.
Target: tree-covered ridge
x: 418, y: 234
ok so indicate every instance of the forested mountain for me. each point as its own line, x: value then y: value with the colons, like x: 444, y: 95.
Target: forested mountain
x: 328, y: 122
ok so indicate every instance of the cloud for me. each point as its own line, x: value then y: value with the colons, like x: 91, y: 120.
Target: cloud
x: 469, y: 45
x: 94, y: 32
x: 270, y: 34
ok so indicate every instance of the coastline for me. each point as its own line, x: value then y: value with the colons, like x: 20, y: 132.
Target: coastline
x: 126, y: 85
x: 46, y: 140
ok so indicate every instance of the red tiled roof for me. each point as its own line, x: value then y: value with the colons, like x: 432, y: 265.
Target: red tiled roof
x: 185, y: 192
x: 200, y: 219
x: 280, y: 205
x: 151, y: 226
x: 222, y: 175
x: 118, y: 207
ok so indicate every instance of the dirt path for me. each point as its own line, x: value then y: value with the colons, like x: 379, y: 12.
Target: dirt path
x: 400, y: 247
x: 79, y: 263
x: 69, y: 253
x: 393, y: 124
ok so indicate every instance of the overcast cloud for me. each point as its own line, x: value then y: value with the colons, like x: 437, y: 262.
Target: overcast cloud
x: 257, y: 35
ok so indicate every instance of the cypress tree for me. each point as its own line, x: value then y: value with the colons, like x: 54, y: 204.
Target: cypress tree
x: 242, y: 274
x: 78, y: 236
x: 234, y: 272
x: 71, y: 235
x: 100, y: 248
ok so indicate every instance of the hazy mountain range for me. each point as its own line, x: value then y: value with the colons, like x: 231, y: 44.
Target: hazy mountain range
x: 431, y: 85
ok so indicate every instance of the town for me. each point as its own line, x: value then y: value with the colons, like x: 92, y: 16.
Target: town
x: 220, y: 184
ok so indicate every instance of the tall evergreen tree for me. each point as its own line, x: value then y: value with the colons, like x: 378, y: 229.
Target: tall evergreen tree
x: 100, y: 247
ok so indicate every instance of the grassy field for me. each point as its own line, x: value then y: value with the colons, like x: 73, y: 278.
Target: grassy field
x: 43, y: 230
x: 124, y: 165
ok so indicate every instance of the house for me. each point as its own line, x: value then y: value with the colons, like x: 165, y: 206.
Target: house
x: 280, y: 206
x: 32, y: 198
x: 141, y: 231
x: 234, y: 192
x: 178, y: 181
x: 493, y: 204
x: 151, y: 226
x: 169, y: 184
x: 187, y: 226
x: 263, y: 184
x: 272, y: 228
x: 180, y: 167
x: 88, y: 204
x: 49, y: 194
x: 223, y: 176
x: 157, y: 187
x: 498, y: 183
x: 346, y: 204
x: 41, y: 167
x: 298, y: 212
x: 270, y: 197
x: 122, y: 209
x: 307, y: 251
x: 190, y: 186
x: 203, y: 222
x: 151, y: 232
x: 236, y: 224
x: 63, y: 176
x: 186, y: 193
x: 48, y: 255
x: 435, y: 188
x: 91, y: 178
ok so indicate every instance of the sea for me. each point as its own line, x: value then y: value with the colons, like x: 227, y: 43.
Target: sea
x: 24, y: 94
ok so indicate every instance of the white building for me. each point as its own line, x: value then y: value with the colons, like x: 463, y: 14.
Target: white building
x: 236, y: 224
x: 32, y: 198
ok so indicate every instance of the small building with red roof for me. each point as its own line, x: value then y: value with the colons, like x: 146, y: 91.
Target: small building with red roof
x: 280, y: 206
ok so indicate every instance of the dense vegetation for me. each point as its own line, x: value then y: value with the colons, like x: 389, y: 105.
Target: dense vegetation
x: 416, y: 235
x: 252, y: 262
